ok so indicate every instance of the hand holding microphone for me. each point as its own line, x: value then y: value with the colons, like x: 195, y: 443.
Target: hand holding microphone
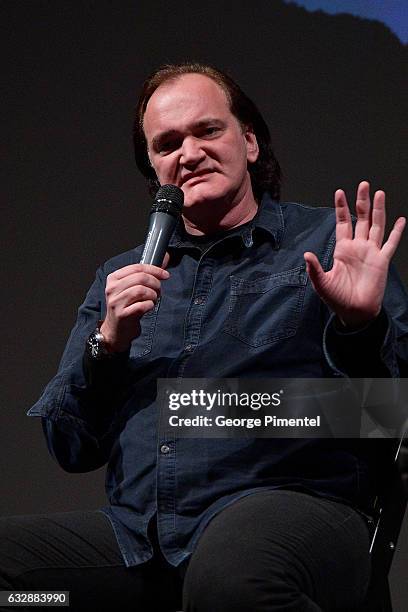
x: 133, y: 290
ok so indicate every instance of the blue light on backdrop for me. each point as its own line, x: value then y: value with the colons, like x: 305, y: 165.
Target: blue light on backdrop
x: 393, y: 13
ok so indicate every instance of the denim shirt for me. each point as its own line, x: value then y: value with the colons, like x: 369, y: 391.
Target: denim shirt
x: 242, y: 306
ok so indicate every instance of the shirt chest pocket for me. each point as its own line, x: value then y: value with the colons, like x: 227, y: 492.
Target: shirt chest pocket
x: 267, y: 308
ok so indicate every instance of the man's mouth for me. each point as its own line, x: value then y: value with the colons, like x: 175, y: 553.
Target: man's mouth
x: 195, y: 175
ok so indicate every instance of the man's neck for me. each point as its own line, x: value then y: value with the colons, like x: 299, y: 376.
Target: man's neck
x: 219, y: 216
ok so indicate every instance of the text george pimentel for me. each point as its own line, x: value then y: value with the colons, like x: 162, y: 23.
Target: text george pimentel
x: 248, y: 423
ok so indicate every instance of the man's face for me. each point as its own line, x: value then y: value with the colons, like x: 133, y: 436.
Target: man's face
x: 196, y: 143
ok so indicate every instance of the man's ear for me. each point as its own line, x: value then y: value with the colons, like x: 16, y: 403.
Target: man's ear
x: 252, y: 146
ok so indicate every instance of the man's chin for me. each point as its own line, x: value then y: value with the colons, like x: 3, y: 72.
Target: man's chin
x: 200, y: 195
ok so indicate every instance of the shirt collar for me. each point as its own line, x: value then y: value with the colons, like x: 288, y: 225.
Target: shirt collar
x: 269, y: 218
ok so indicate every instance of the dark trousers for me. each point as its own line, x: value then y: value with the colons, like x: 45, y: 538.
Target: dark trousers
x: 275, y: 550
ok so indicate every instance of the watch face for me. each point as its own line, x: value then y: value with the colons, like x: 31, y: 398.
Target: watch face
x: 95, y: 345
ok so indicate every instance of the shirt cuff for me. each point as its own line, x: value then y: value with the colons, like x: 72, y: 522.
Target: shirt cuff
x: 359, y: 353
x: 102, y: 373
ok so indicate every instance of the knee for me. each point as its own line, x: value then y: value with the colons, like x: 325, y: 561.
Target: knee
x: 230, y: 582
x: 215, y: 589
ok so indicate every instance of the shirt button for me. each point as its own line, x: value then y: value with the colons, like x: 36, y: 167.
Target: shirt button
x: 198, y: 300
x: 164, y: 449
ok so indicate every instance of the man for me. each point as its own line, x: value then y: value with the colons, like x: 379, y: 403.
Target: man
x: 239, y: 524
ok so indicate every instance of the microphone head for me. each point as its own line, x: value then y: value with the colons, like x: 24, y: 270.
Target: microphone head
x: 169, y: 199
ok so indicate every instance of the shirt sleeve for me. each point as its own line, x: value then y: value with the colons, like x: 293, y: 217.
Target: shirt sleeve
x: 380, y: 349
x: 79, y: 404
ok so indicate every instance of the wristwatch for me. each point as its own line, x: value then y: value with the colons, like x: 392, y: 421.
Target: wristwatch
x: 96, y: 347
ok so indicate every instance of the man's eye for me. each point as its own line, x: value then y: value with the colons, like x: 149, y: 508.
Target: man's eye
x: 167, y: 146
x: 211, y: 130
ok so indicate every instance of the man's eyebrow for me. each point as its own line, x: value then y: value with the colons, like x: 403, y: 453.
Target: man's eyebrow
x: 207, y: 120
x: 162, y: 136
x: 197, y: 124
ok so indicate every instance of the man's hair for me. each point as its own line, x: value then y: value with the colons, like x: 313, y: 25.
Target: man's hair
x: 265, y: 172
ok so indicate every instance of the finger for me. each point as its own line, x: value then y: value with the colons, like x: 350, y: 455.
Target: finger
x: 314, y: 270
x: 138, y: 294
x: 394, y: 238
x: 378, y: 217
x: 344, y: 228
x: 133, y: 268
x: 363, y: 206
x: 139, y: 278
x: 139, y: 308
x: 132, y: 296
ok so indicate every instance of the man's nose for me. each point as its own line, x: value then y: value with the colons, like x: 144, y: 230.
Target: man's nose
x: 191, y: 151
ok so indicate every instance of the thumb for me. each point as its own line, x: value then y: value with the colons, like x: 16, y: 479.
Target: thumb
x: 165, y: 261
x: 314, y: 270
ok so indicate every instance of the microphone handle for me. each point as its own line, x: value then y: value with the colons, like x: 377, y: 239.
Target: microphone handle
x: 161, y: 227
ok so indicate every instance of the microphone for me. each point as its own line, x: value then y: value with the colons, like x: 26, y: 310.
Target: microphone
x: 164, y: 215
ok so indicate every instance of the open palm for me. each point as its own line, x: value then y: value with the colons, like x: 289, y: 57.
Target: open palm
x: 354, y: 287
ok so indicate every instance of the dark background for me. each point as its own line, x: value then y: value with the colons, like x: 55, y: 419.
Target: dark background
x: 330, y: 88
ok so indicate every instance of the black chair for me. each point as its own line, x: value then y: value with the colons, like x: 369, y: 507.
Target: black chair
x: 389, y: 509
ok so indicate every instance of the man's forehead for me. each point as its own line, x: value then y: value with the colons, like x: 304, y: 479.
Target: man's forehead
x: 186, y: 94
x: 190, y: 100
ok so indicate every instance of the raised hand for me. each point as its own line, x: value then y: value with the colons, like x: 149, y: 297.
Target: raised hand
x: 354, y: 287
